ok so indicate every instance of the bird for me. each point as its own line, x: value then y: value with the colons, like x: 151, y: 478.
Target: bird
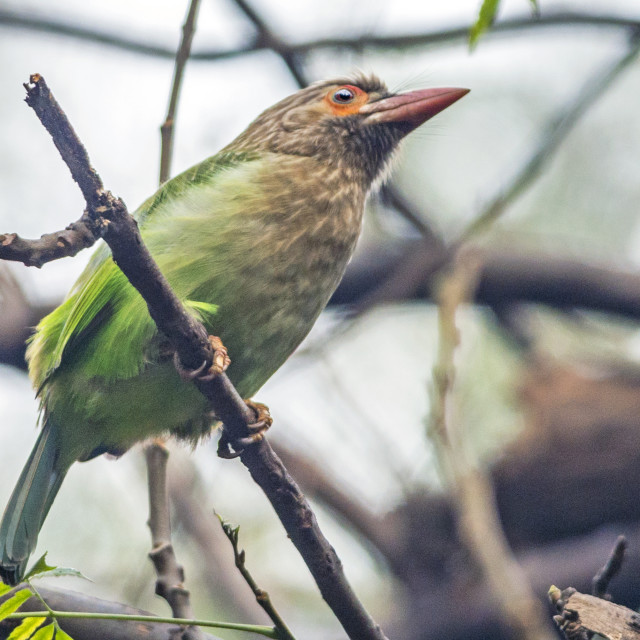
x: 253, y: 240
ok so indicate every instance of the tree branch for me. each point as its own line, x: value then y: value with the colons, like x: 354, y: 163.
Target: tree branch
x: 261, y: 596
x: 269, y: 40
x: 190, y: 340
x: 505, y: 277
x: 28, y: 21
x: 168, y: 127
x: 170, y: 574
x: 582, y: 615
x: 609, y: 570
x: 77, y: 236
x: 224, y: 584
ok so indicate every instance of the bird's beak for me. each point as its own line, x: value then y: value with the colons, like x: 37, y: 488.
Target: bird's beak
x: 412, y: 108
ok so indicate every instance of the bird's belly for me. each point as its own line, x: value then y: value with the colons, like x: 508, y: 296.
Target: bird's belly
x: 264, y: 325
x: 273, y: 293
x: 111, y: 415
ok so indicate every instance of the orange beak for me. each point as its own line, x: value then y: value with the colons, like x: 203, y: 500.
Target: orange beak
x: 412, y: 108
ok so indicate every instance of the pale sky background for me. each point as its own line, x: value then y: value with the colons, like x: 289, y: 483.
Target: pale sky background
x: 117, y: 100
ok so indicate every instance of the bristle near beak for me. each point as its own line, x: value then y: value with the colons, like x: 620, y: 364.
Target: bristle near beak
x: 412, y: 108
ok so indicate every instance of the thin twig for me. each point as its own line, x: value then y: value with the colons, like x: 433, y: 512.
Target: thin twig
x: 84, y: 615
x: 267, y: 39
x: 478, y: 519
x: 187, y: 495
x: 190, y: 341
x: 262, y: 597
x: 168, y: 127
x: 170, y: 574
x: 51, y: 246
x: 391, y: 195
x: 611, y: 568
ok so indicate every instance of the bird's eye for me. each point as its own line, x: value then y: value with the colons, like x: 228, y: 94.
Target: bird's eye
x: 345, y: 100
x: 343, y: 96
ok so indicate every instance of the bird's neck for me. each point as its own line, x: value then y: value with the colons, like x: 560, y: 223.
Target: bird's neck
x: 326, y: 198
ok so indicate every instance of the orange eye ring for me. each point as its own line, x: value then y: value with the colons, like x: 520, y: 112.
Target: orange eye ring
x: 346, y: 99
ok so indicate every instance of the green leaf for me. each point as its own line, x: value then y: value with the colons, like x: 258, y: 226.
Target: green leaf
x: 62, y: 635
x: 4, y: 588
x: 62, y: 572
x: 14, y: 602
x: 42, y: 570
x: 486, y: 17
x: 46, y: 633
x: 39, y: 567
x: 25, y: 629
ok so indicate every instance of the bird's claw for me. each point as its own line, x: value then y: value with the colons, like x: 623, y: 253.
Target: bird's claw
x: 187, y: 375
x: 220, y: 363
x: 257, y: 429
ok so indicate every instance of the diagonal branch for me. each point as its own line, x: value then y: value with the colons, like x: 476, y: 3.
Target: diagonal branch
x: 269, y: 40
x: 262, y: 597
x: 190, y: 341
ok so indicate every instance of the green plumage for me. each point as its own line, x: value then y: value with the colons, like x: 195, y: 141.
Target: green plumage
x: 253, y: 241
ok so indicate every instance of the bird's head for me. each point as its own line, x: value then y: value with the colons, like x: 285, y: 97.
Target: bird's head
x: 354, y: 122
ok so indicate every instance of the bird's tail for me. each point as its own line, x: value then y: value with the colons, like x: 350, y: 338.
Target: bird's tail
x: 29, y: 504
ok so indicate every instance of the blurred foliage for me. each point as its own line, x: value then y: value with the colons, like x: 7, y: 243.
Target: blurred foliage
x: 486, y: 16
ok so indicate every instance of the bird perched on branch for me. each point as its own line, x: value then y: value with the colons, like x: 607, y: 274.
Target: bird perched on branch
x: 254, y: 240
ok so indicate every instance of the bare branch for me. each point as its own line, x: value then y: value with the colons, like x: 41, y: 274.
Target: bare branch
x: 170, y: 574
x: 28, y: 21
x: 51, y: 246
x: 168, y: 127
x: 506, y: 277
x: 191, y: 343
x: 225, y: 585
x: 611, y: 568
x: 262, y: 597
x: 269, y: 40
x: 582, y: 615
x: 75, y: 156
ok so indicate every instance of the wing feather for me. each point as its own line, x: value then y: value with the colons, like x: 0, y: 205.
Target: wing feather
x: 103, y: 304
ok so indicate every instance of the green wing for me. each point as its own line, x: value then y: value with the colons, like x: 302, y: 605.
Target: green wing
x: 103, y: 311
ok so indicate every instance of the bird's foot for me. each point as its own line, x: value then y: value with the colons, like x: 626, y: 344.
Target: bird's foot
x: 257, y: 430
x: 220, y: 362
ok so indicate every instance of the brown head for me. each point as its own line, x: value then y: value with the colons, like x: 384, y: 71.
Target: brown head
x: 353, y: 122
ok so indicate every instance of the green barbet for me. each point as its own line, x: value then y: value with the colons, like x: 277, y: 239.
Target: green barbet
x: 254, y: 240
